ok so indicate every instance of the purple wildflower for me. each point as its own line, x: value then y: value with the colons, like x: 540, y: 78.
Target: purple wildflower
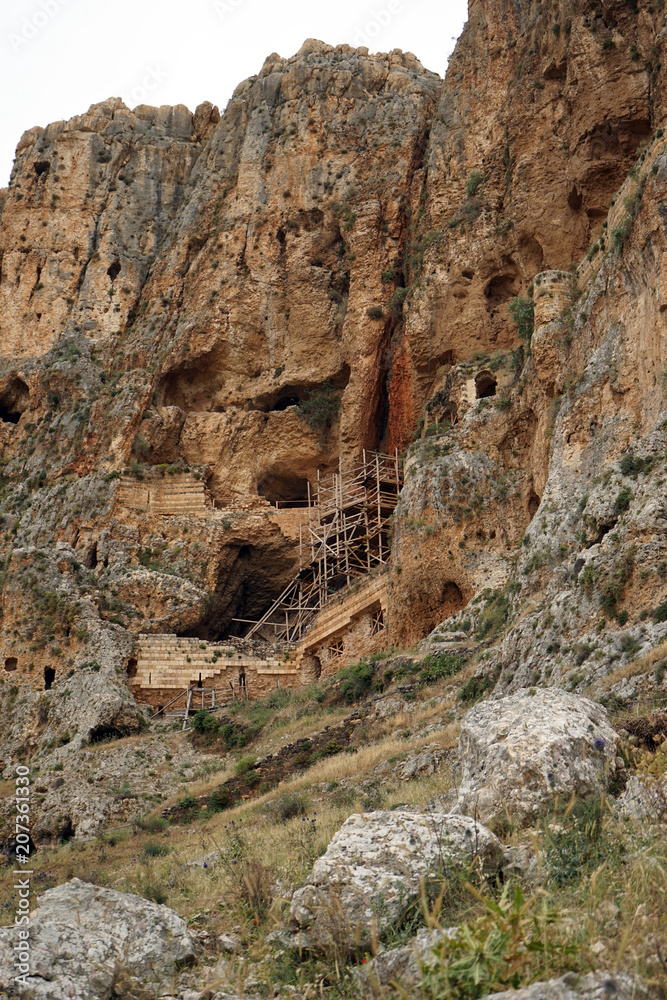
x: 599, y: 743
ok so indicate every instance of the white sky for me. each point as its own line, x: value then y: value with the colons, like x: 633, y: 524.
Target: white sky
x: 57, y: 57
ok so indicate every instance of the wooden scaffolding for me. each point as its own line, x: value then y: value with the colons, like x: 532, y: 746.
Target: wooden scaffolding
x: 348, y: 536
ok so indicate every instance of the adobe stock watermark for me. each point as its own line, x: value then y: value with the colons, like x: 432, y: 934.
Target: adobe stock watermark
x: 151, y: 80
x: 365, y: 34
x: 224, y: 7
x: 31, y: 25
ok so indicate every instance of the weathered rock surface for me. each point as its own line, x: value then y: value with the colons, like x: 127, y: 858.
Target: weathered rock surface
x: 593, y: 986
x: 519, y: 752
x: 401, y: 965
x: 84, y: 938
x: 372, y: 869
x: 644, y: 798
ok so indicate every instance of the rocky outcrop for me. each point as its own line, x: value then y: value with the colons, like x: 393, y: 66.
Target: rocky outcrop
x: 518, y: 753
x: 87, y: 941
x: 372, y: 869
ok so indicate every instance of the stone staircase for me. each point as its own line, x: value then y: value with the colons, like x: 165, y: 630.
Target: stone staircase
x: 178, y: 494
x: 173, y: 663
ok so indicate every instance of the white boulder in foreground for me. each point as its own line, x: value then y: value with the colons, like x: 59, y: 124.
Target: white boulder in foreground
x: 83, y: 938
x: 519, y: 752
x: 372, y: 870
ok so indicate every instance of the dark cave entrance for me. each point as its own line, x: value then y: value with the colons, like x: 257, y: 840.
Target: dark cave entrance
x: 485, y: 385
x: 49, y: 678
x: 283, y: 488
x: 11, y: 663
x: 14, y: 401
x: 247, y: 586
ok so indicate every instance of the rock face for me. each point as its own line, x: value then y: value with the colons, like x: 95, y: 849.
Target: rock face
x: 343, y: 242
x: 372, y: 870
x: 84, y: 939
x: 521, y: 751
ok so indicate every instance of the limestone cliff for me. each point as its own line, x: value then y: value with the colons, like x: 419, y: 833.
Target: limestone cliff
x: 255, y: 297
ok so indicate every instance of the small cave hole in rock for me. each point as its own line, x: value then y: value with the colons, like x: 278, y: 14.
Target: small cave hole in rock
x: 101, y: 734
x: 49, y: 677
x: 485, y: 385
x: 575, y: 199
x: 533, y: 505
x: 90, y: 557
x: 67, y: 831
x: 42, y: 167
x: 114, y: 270
x: 283, y: 489
x: 11, y: 663
x: 500, y: 289
x: 14, y: 401
x: 131, y: 668
x: 468, y: 274
x: 603, y: 530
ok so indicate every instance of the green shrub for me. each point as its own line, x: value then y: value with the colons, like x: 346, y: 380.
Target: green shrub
x: 513, y: 943
x: 357, y: 681
x: 660, y: 613
x: 155, y: 851
x: 375, y: 312
x: 204, y: 722
x: 474, y: 183
x: 475, y: 688
x: 623, y: 500
x: 220, y: 800
x: 522, y: 311
x: 320, y: 409
x: 493, y: 619
x: 435, y: 668
x: 244, y: 764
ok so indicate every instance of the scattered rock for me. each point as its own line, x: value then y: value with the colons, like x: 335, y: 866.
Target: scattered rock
x: 205, y: 861
x: 521, y: 750
x: 594, y: 986
x: 426, y: 762
x: 372, y: 870
x: 87, y: 938
x: 227, y: 942
x: 644, y: 798
x: 402, y: 965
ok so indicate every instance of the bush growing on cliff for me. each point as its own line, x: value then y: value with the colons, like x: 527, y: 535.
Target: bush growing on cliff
x: 474, y: 183
x: 522, y: 311
x: 320, y: 409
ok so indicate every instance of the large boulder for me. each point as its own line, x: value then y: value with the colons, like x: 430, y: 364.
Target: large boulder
x: 519, y: 752
x: 84, y: 940
x: 373, y: 869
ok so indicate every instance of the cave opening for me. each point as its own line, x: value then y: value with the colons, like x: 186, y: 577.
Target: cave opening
x: 14, y: 401
x: 42, y: 167
x: 103, y: 734
x: 485, y: 385
x: 131, y: 667
x: 247, y: 585
x: 114, y: 270
x: 533, y: 504
x: 283, y: 488
x: 11, y: 663
x: 67, y: 831
x: 49, y: 678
